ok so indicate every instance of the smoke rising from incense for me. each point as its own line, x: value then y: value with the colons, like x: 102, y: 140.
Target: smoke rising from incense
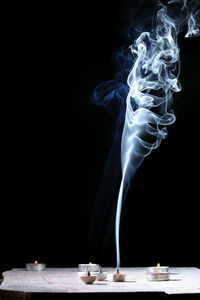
x: 148, y: 92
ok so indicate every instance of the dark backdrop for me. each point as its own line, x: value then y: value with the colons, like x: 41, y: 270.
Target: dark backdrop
x: 55, y: 145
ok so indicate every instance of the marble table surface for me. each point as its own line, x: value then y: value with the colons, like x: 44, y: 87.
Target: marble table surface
x: 65, y: 280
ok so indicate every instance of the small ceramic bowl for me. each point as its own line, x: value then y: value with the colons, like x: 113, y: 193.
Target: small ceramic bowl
x: 101, y: 276
x: 88, y: 279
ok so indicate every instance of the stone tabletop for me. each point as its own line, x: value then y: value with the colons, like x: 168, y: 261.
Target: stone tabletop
x: 65, y: 280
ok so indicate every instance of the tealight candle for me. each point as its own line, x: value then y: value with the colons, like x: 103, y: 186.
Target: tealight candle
x: 158, y: 273
x: 35, y: 266
x: 89, y: 267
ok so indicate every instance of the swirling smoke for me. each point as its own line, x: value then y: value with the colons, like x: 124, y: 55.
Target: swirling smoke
x: 151, y: 82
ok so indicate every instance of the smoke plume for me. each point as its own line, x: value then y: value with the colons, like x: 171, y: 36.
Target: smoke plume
x: 145, y: 87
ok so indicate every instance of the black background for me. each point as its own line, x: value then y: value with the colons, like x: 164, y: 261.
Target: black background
x: 55, y: 144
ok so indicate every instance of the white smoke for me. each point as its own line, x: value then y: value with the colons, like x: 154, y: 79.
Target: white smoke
x: 193, y: 29
x: 152, y: 82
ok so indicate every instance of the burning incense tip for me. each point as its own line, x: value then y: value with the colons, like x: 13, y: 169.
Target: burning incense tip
x: 118, y: 271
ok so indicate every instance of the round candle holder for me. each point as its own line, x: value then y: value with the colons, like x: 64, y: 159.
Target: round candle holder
x: 35, y: 267
x: 159, y: 273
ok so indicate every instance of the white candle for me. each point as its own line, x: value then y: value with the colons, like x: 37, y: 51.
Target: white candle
x: 89, y: 267
x: 158, y: 273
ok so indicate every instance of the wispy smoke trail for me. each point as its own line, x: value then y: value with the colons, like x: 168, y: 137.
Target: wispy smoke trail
x: 193, y: 29
x: 152, y: 80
